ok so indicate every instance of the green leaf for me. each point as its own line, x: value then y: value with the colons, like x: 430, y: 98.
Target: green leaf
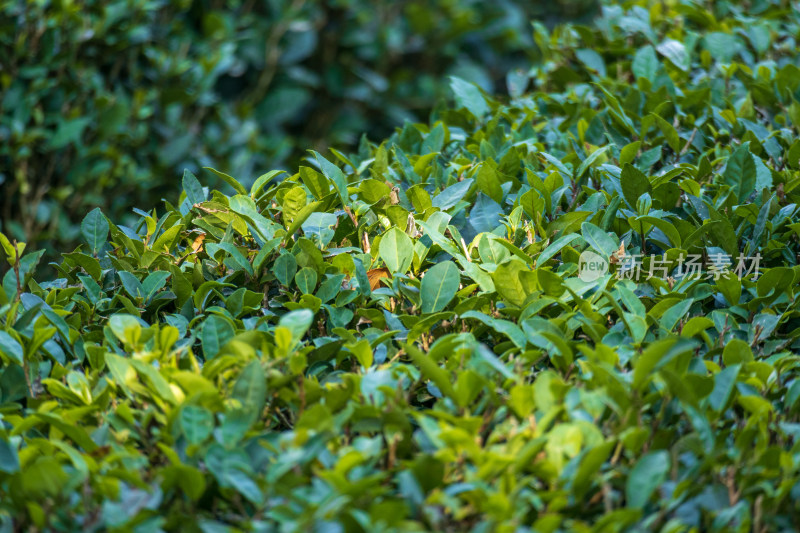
x: 9, y: 459
x: 293, y: 201
x: 676, y: 52
x: 262, y: 180
x: 285, y: 268
x: 131, y: 284
x: 397, y: 250
x: 736, y: 351
x: 238, y: 187
x: 634, y: 184
x: 469, y: 96
x: 509, y: 329
x: 555, y: 247
x: 318, y: 184
x: 297, y: 322
x: 306, y: 280
x: 513, y: 281
x: 250, y: 389
x: 432, y: 371
x: 126, y: 328
x: 589, y: 466
x: 731, y: 288
x: 76, y: 433
x: 724, y: 381
x: 11, y: 348
x: 231, y: 469
x: 491, y: 250
x: 12, y: 253
x: 670, y: 134
x: 649, y: 473
x: 194, y: 191
x: 668, y: 229
x: 240, y: 260
x: 301, y: 217
x: 334, y: 173
x: 598, y: 239
x: 419, y: 198
x: 196, y: 423
x: 489, y: 184
x: 166, y: 240
x: 550, y: 282
x: 361, y: 276
x: 587, y: 163
x: 363, y: 352
x: 94, y: 228
x: 671, y: 316
x: 740, y: 173
x: 649, y: 359
x: 645, y: 63
x: 216, y: 332
x: 592, y: 60
x: 439, y: 286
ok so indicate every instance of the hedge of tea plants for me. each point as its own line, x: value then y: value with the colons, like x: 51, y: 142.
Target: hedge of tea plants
x: 103, y: 103
x: 407, y: 337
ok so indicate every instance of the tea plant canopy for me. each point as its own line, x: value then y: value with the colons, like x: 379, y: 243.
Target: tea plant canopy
x: 407, y: 338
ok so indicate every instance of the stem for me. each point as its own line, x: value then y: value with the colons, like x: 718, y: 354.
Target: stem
x: 644, y: 242
x: 16, y: 271
x: 28, y: 377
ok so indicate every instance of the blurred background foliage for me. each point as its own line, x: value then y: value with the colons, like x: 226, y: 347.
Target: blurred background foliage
x: 104, y: 103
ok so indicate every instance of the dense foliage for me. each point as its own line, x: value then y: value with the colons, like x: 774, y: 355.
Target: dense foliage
x: 398, y: 339
x: 101, y: 103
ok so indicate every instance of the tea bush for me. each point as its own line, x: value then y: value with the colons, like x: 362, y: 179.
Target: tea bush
x: 401, y: 338
x: 101, y: 103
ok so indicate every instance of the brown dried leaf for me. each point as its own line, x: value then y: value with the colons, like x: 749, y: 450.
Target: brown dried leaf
x: 375, y: 276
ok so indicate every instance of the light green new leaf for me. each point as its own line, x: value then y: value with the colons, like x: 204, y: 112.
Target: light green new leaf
x: 166, y: 240
x: 736, y: 351
x: 514, y: 282
x: 262, y: 180
x: 293, y: 201
x: 301, y: 217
